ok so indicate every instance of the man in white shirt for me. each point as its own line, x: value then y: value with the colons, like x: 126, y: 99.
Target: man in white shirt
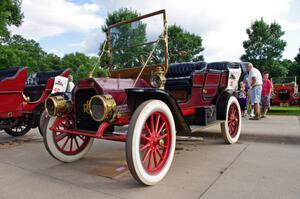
x: 255, y: 83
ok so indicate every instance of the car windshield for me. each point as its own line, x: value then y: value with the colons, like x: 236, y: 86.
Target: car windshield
x: 137, y: 43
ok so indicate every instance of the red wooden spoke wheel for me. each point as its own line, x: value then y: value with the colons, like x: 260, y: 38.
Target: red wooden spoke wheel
x: 231, y: 128
x: 233, y: 120
x: 150, y: 142
x: 69, y: 144
x: 64, y: 146
x: 155, y: 142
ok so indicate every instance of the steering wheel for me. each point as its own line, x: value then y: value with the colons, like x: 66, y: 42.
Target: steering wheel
x: 153, y: 58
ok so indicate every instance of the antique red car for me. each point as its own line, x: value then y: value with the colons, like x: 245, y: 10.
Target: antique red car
x: 22, y: 99
x: 285, y: 94
x: 145, y: 101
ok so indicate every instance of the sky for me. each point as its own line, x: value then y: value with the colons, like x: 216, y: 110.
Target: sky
x: 66, y: 26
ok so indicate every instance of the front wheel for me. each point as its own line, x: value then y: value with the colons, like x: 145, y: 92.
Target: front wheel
x: 65, y: 147
x: 151, y: 141
x: 231, y: 128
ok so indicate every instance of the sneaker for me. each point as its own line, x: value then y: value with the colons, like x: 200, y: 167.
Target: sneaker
x: 251, y: 115
x: 254, y: 118
x: 263, y: 116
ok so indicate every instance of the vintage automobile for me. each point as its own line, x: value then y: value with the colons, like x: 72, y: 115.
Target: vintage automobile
x: 285, y: 94
x: 22, y: 99
x: 145, y: 101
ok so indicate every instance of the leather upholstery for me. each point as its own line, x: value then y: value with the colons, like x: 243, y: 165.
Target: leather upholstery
x: 184, y: 69
x: 223, y: 65
x: 179, y: 75
x: 42, y: 77
x: 8, y: 72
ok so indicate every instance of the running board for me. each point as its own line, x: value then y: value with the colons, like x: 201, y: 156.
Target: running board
x: 197, y: 128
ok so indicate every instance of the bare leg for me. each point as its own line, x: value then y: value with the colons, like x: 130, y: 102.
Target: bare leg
x: 266, y: 110
x: 257, y: 109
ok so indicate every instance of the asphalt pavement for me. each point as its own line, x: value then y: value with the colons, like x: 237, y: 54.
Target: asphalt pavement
x: 265, y: 163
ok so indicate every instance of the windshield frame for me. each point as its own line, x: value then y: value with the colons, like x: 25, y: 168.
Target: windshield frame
x: 165, y: 36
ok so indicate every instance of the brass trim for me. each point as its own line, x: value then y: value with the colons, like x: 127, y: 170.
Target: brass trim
x: 60, y: 105
x: 109, y: 107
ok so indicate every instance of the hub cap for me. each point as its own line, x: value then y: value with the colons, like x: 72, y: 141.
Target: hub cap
x: 155, y: 142
x: 233, y: 120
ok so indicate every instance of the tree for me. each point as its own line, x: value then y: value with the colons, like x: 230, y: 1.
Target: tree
x: 264, y: 47
x: 297, y: 58
x: 81, y: 65
x: 181, y: 40
x: 18, y: 51
x: 125, y: 40
x: 52, y: 61
x: 10, y: 14
x: 294, y: 69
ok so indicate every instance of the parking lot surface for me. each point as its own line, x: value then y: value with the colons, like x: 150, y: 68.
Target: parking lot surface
x: 263, y: 164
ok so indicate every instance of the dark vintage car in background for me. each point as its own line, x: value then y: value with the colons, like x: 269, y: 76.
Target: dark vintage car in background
x: 151, y: 99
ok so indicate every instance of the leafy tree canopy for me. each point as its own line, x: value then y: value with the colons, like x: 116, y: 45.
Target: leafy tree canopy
x: 181, y: 40
x: 10, y: 14
x: 264, y: 47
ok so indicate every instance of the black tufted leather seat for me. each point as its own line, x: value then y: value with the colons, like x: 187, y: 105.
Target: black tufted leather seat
x: 35, y: 87
x: 223, y: 65
x: 42, y: 77
x: 179, y: 75
x: 10, y: 72
x: 184, y: 69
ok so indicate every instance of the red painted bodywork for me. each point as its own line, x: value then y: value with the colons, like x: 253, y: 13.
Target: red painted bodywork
x: 205, y: 87
x: 12, y: 103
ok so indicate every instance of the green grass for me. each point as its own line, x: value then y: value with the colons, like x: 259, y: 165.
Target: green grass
x: 282, y: 110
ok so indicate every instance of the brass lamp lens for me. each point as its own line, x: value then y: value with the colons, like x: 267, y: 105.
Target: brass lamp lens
x: 97, y: 108
x: 50, y: 106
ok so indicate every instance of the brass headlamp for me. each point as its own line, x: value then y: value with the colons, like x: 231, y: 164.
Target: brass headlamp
x: 102, y: 107
x: 57, y: 105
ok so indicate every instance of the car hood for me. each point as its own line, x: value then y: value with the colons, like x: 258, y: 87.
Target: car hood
x: 116, y: 87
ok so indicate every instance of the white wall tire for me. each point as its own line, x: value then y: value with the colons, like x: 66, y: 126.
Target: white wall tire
x: 67, y: 154
x: 158, y: 137
x: 43, y: 122
x: 231, y: 128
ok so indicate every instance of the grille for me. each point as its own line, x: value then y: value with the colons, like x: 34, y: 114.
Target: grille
x: 84, y: 121
x: 284, y: 95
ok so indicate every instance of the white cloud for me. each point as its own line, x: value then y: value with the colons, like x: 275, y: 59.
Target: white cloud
x: 222, y: 24
x: 90, y: 44
x: 46, y: 18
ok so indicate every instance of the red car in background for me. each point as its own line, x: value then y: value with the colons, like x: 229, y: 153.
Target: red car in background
x: 22, y: 99
x: 285, y: 94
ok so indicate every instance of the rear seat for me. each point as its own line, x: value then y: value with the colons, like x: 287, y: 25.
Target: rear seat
x: 36, y: 82
x: 9, y: 72
x: 223, y: 65
x: 179, y: 75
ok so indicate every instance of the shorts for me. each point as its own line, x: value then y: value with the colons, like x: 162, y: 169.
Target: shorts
x: 255, y: 94
x: 265, y: 101
x: 243, y: 103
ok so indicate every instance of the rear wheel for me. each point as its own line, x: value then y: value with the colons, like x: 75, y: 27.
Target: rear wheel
x: 150, y: 142
x: 231, y: 128
x: 20, y: 129
x: 43, y: 122
x: 65, y: 147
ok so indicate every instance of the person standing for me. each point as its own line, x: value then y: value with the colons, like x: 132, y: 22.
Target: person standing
x: 266, y: 94
x: 70, y: 84
x: 255, y: 83
x: 243, y: 98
